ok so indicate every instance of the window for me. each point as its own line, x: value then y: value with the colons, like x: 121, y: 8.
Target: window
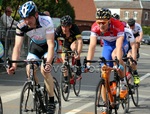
x: 146, y: 15
x: 135, y: 15
x: 126, y: 15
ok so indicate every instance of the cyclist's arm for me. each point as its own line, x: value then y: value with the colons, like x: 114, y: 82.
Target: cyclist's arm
x: 80, y: 44
x: 17, y: 49
x: 141, y: 36
x: 119, y: 43
x: 134, y: 52
x: 92, y: 45
x: 50, y: 43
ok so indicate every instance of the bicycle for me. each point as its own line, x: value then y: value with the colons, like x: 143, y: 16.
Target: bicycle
x: 1, y: 106
x: 113, y: 99
x: 133, y: 88
x: 34, y: 97
x: 70, y: 68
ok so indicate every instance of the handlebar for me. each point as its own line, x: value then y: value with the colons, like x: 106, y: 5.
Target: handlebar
x: 34, y: 61
x: 100, y: 60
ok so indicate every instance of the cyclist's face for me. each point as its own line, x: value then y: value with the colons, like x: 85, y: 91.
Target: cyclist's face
x: 30, y: 21
x: 66, y: 29
x: 103, y: 24
x: 132, y: 27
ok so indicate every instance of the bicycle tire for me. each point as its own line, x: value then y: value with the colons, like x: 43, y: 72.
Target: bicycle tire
x: 57, y: 96
x: 1, y: 106
x: 98, y: 99
x: 133, y: 91
x: 135, y: 95
x: 65, y: 94
x: 28, y: 103
x: 76, y: 85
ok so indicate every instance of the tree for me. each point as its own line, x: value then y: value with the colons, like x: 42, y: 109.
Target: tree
x: 63, y: 7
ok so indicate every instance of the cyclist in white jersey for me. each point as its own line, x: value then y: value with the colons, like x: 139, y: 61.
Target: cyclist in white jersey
x: 132, y: 48
x: 137, y: 32
x: 40, y: 29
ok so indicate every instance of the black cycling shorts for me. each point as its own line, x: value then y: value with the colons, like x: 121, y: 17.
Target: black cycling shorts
x: 38, y: 50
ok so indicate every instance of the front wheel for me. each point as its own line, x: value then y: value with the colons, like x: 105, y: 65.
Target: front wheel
x: 1, y: 106
x: 27, y: 101
x: 77, y: 84
x: 99, y: 104
x: 57, y: 96
x: 65, y: 84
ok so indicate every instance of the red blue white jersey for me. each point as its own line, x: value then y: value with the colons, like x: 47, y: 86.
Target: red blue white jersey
x: 115, y: 30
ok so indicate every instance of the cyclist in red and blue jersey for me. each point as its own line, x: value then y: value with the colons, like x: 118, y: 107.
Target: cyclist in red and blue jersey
x: 115, y: 44
x: 39, y: 28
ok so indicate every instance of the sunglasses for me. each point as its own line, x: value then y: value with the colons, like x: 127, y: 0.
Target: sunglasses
x: 103, y: 22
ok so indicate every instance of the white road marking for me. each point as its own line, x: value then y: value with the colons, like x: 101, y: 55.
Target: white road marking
x: 144, y: 76
x: 145, y: 54
x: 75, y: 111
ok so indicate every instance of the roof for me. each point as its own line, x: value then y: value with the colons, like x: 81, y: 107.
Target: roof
x: 123, y: 4
x: 84, y: 9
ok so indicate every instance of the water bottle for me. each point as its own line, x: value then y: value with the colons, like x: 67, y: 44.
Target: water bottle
x: 113, y: 88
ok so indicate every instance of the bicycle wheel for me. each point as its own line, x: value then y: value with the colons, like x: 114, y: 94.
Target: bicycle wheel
x: 135, y: 94
x: 77, y: 84
x: 57, y: 96
x: 65, y: 84
x: 1, y: 106
x: 99, y: 104
x: 28, y: 104
x: 126, y: 104
x: 133, y: 91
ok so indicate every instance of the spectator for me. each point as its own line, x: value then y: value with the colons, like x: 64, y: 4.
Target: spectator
x: 7, y: 19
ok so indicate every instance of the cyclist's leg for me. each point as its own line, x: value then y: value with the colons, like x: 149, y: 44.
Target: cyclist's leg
x: 48, y: 80
x: 121, y: 70
x: 65, y: 73
x: 107, y: 56
x: 74, y: 47
x: 32, y: 56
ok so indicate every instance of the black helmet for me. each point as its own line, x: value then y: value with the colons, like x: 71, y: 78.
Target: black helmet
x: 131, y: 22
x: 116, y: 16
x: 28, y: 9
x: 103, y: 13
x: 66, y: 20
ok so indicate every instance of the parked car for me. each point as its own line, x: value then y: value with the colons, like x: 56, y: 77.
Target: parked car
x: 145, y: 40
x: 86, y: 38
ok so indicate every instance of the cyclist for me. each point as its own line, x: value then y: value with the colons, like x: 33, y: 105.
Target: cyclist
x: 112, y: 33
x: 41, y: 31
x: 138, y: 35
x: 72, y: 40
x: 132, y: 48
x: 137, y: 32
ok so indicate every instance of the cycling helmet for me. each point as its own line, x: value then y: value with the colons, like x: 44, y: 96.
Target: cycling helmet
x: 103, y: 13
x: 27, y: 9
x: 131, y: 22
x: 116, y: 16
x: 66, y: 20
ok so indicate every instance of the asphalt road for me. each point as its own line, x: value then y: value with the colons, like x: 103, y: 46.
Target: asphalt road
x: 10, y: 87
